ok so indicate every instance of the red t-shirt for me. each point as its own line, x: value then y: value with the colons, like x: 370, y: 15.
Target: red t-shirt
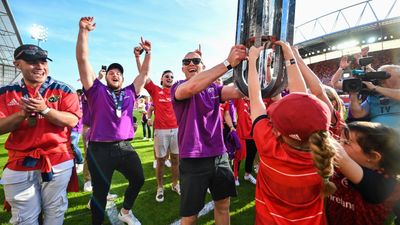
x: 347, y: 206
x: 164, y: 115
x: 44, y: 138
x: 243, y: 127
x: 223, y: 107
x: 288, y: 189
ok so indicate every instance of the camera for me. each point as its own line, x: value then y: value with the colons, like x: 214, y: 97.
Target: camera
x: 355, y: 84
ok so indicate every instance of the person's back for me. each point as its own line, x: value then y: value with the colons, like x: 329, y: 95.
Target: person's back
x: 295, y: 148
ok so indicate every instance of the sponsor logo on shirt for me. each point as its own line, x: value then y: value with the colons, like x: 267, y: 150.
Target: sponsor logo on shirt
x: 13, y: 102
x: 54, y: 98
x: 345, y: 204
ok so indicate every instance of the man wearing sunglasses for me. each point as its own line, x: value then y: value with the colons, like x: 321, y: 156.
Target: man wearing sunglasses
x: 165, y: 132
x: 111, y: 108
x: 39, y: 113
x: 203, y: 158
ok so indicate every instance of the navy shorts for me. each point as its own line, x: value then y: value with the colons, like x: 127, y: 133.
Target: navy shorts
x: 198, y: 174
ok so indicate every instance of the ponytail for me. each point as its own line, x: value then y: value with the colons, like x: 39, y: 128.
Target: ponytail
x: 323, y: 155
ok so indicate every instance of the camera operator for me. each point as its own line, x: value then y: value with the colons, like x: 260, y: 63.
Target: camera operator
x: 384, y: 106
x: 344, y: 63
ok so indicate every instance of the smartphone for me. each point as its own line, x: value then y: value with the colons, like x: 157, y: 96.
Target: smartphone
x: 103, y: 67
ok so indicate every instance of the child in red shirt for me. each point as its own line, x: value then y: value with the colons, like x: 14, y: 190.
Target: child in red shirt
x: 295, y: 148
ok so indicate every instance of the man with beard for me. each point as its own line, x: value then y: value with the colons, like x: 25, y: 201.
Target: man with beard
x: 109, y: 147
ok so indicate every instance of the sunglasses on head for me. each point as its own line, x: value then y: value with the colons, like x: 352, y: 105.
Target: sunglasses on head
x: 33, y: 51
x: 196, y: 61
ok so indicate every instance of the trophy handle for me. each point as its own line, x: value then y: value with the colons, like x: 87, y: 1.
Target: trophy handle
x: 268, y: 88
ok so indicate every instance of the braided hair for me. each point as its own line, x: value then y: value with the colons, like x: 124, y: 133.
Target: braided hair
x: 323, y: 152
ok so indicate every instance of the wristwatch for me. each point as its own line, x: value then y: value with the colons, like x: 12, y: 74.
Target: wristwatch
x: 290, y: 62
x: 45, y: 111
x: 227, y: 64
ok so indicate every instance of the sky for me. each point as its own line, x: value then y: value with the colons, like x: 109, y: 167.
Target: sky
x: 174, y: 27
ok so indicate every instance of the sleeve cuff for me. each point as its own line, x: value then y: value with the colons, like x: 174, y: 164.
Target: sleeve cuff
x: 255, y: 122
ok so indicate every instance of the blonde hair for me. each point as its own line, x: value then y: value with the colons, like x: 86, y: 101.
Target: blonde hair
x: 334, y: 97
x: 323, y: 152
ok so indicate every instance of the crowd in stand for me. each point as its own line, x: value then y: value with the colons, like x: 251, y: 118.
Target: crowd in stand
x: 312, y: 167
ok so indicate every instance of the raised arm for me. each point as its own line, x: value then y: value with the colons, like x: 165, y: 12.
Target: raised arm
x: 140, y: 80
x: 335, y: 81
x: 295, y: 79
x: 87, y: 76
x: 311, y: 79
x: 257, y: 106
x: 202, y: 80
x: 137, y: 51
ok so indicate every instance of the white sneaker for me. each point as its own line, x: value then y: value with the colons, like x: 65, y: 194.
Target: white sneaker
x: 129, y: 218
x: 250, y: 178
x: 111, y: 197
x: 79, y: 168
x: 237, y: 182
x: 88, y: 186
x: 167, y: 163
x: 177, y: 189
x: 150, y: 139
x: 145, y: 138
x: 155, y: 163
x: 160, y: 195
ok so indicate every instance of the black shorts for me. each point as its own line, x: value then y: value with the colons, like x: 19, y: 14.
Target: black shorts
x: 198, y: 174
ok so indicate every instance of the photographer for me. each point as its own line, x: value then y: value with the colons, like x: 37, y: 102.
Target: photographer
x: 344, y: 63
x: 384, y: 106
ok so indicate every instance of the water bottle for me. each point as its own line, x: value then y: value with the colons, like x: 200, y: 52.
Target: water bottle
x: 112, y: 213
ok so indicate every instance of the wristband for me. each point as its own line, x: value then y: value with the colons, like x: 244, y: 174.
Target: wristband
x: 227, y: 64
x: 148, y: 52
x: 290, y: 62
x: 45, y: 111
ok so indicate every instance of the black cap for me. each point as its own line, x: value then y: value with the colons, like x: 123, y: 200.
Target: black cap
x: 30, y: 53
x: 115, y: 66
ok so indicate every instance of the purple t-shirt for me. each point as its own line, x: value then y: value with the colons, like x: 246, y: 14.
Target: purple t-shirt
x: 79, y: 125
x: 105, y: 124
x: 200, y: 130
x: 86, y: 118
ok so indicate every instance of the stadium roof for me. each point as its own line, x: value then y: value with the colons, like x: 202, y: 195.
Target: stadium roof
x: 346, y: 30
x: 9, y: 40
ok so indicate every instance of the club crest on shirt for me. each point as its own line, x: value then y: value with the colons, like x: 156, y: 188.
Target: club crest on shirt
x: 344, y: 182
x: 54, y: 98
x: 210, y: 90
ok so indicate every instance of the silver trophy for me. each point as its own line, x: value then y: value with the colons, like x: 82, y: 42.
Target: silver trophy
x: 260, y: 23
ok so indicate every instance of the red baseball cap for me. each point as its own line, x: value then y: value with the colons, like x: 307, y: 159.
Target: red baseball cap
x: 298, y: 115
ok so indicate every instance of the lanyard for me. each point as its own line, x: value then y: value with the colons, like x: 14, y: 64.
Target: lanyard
x: 118, y: 102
